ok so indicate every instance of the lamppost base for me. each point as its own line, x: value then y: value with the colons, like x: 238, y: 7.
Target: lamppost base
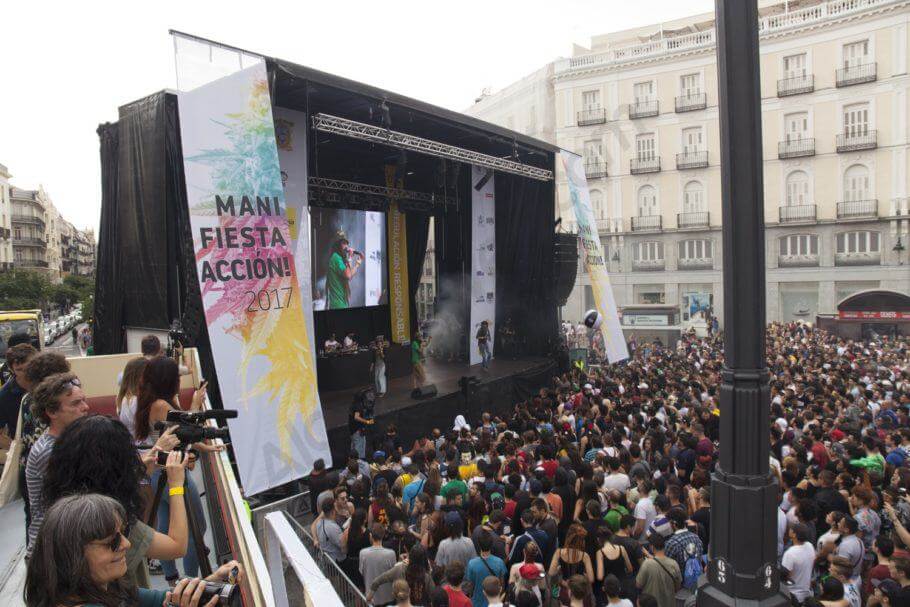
x: 710, y: 596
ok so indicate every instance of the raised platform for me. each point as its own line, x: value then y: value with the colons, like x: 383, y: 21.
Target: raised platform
x: 505, y: 383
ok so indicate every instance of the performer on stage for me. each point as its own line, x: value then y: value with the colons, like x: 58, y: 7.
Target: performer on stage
x: 483, y: 343
x: 419, y: 375
x: 379, y: 379
x: 360, y: 420
x: 343, y: 265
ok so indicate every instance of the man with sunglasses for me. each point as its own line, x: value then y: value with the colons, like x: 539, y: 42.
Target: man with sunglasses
x: 58, y: 401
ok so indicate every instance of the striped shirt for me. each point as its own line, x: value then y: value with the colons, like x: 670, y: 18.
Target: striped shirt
x: 34, y: 482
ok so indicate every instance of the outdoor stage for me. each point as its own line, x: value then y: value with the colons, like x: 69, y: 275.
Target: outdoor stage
x: 506, y: 382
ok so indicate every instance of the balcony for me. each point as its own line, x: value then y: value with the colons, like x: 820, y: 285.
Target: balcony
x: 637, y: 166
x: 692, y: 160
x: 5, y: 233
x: 595, y: 170
x: 697, y: 219
x: 592, y: 116
x: 857, y: 209
x: 609, y: 225
x: 690, y: 103
x: 796, y: 85
x: 644, y: 109
x: 853, y: 142
x: 648, y: 265
x: 29, y: 241
x: 797, y: 213
x: 856, y: 74
x: 795, y: 148
x: 797, y: 261
x: 30, y: 263
x: 691, y: 263
x: 647, y: 223
x: 29, y: 219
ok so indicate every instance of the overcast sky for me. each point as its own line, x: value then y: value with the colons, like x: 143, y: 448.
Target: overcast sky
x: 66, y: 69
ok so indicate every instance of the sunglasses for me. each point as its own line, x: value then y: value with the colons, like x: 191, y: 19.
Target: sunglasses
x: 116, y: 540
x: 74, y: 382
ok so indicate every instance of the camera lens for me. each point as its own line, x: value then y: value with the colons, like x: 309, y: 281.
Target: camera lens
x: 228, y: 594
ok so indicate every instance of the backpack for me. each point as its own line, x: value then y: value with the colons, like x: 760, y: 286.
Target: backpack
x: 691, y: 572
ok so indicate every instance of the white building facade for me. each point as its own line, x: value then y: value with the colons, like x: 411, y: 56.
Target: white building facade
x: 641, y: 107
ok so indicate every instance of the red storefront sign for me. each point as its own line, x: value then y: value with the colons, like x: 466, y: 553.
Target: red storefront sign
x: 860, y: 315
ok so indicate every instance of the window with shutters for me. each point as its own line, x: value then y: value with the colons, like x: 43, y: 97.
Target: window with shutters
x: 689, y: 85
x: 648, y: 251
x: 856, y: 53
x: 645, y: 147
x: 796, y: 126
x: 856, y: 183
x: 795, y: 66
x: 695, y: 250
x: 861, y: 242
x: 693, y: 197
x: 597, y: 204
x: 798, y: 189
x: 692, y: 139
x: 593, y: 151
x: 856, y: 120
x: 643, y: 91
x: 647, y: 201
x: 590, y: 100
x: 799, y: 245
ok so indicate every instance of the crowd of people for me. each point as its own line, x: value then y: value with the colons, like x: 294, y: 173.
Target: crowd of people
x: 88, y: 482
x: 596, y: 491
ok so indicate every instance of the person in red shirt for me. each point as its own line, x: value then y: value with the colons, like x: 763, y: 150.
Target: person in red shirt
x: 547, y: 462
x: 819, y: 453
x: 884, y: 550
x: 454, y: 577
x: 509, y: 509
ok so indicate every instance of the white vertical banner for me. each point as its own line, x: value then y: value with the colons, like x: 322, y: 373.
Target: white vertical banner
x: 254, y: 289
x: 594, y: 259
x: 483, y: 257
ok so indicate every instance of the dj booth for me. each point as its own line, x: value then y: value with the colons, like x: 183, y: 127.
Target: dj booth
x: 345, y: 371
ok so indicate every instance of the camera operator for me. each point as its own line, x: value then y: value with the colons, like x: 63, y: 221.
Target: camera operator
x: 158, y: 393
x: 96, y: 454
x: 58, y: 401
x: 80, y: 559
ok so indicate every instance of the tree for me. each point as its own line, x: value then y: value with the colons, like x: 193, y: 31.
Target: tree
x: 24, y: 290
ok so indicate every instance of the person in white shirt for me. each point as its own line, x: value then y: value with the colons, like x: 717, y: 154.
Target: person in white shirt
x: 798, y: 562
x: 645, y: 512
x: 781, y: 531
x: 331, y: 344
x: 617, y: 479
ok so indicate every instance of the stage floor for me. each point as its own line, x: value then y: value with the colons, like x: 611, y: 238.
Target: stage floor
x: 336, y: 404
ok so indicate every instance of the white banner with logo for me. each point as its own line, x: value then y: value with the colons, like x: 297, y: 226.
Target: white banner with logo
x: 594, y: 259
x: 483, y: 258
x: 254, y: 287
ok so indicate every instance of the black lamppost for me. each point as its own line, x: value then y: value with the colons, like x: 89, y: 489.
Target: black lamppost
x: 744, y: 495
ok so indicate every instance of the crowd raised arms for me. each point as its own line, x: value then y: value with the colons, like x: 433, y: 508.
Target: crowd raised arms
x: 596, y: 490
x: 89, y: 483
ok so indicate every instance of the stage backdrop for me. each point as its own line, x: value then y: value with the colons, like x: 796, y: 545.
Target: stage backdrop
x: 255, y: 305
x: 589, y: 237
x: 483, y: 257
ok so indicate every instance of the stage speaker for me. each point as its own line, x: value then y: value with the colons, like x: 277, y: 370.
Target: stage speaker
x: 427, y: 391
x: 566, y: 266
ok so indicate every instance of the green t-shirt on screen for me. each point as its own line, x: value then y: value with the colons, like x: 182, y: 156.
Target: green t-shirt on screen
x: 335, y: 283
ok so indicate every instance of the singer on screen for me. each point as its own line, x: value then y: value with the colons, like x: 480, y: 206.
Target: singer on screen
x: 344, y: 262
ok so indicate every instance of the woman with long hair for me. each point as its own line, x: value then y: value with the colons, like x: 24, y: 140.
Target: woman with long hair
x: 571, y: 560
x: 401, y: 593
x: 358, y: 539
x: 80, y: 559
x: 129, y: 392
x: 159, y: 388
x: 415, y: 571
x: 96, y: 454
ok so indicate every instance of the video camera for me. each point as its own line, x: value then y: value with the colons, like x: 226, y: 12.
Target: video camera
x: 191, y: 428
x: 176, y: 338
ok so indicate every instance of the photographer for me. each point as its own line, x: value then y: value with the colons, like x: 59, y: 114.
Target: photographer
x: 97, y: 454
x: 80, y: 559
x: 157, y: 395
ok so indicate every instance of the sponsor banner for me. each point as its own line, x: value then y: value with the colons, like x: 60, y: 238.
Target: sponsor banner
x: 652, y: 320
x: 248, y: 274
x: 886, y: 315
x: 483, y: 257
x: 399, y: 291
x: 594, y: 260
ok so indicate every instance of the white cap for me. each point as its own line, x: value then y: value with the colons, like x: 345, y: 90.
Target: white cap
x: 405, y: 461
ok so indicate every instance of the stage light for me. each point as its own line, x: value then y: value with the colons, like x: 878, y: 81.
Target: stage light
x: 397, y: 139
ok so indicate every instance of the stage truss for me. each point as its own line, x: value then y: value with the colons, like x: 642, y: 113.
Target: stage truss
x: 397, y: 139
x: 336, y: 193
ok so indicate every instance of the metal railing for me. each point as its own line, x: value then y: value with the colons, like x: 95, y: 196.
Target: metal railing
x: 23, y: 218
x: 858, y: 259
x: 853, y: 209
x: 595, y: 170
x: 692, y: 102
x: 287, y: 540
x: 696, y: 263
x: 638, y: 166
x: 646, y: 222
x: 797, y: 85
x: 692, y: 160
x: 794, y: 148
x: 592, y: 116
x: 857, y: 74
x: 797, y: 261
x: 799, y: 212
x: 644, y: 109
x: 695, y: 219
x: 852, y: 142
x: 649, y: 265
x: 29, y: 241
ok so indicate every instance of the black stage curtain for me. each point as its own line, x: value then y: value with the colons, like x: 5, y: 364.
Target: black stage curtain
x: 525, y: 285
x: 417, y: 233
x: 107, y: 337
x: 365, y: 322
x: 453, y: 257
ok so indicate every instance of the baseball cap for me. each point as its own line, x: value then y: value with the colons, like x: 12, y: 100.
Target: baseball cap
x: 405, y: 461
x: 452, y: 518
x: 530, y: 571
x: 378, y: 454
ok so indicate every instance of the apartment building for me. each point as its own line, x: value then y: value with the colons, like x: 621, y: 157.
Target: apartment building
x: 641, y: 107
x: 85, y: 252
x: 6, y: 233
x: 29, y: 225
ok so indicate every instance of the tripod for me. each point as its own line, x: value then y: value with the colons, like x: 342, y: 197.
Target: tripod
x: 205, y: 567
